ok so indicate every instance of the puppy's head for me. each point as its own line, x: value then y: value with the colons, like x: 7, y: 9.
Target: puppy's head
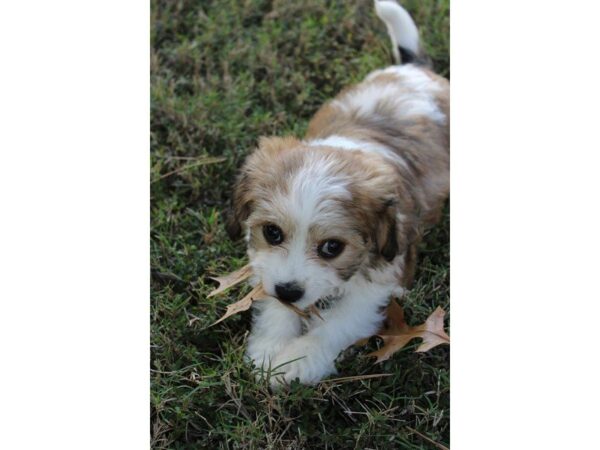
x: 314, y: 217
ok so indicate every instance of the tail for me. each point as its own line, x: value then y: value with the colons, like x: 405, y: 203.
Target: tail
x: 403, y: 32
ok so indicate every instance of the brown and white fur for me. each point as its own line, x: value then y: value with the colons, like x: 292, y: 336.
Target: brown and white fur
x: 370, y: 174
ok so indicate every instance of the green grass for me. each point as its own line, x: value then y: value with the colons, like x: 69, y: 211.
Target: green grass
x: 224, y: 73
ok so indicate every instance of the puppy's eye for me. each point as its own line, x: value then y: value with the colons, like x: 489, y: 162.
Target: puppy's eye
x: 273, y: 234
x: 330, y: 248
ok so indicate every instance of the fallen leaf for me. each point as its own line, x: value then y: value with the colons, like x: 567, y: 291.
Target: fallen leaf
x: 244, y: 304
x: 434, y: 329
x: 395, y: 322
x: 227, y: 281
x: 398, y: 333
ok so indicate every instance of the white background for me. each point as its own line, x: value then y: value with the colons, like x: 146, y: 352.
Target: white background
x: 74, y: 224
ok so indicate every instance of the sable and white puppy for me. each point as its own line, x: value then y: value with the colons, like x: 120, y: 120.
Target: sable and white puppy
x: 334, y: 219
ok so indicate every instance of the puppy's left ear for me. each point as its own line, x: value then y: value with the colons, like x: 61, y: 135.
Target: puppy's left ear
x: 386, y: 234
x: 395, y: 232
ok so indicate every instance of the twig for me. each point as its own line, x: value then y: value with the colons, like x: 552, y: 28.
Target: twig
x: 431, y: 441
x: 357, y: 377
x: 201, y: 162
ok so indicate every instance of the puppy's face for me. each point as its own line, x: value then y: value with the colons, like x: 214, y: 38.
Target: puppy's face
x: 313, y: 217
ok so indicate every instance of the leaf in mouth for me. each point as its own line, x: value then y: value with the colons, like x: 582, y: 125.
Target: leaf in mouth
x: 244, y: 304
x: 228, y: 281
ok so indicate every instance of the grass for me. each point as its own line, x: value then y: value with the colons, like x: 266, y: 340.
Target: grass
x: 224, y: 73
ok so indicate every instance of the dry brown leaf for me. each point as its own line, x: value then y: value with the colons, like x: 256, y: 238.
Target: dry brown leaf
x: 227, y: 281
x: 244, y: 304
x: 398, y: 333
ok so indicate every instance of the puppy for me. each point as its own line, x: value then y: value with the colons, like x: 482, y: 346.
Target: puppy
x: 333, y: 220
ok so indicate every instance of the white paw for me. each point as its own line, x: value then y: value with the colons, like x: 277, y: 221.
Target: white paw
x: 261, y: 352
x: 273, y: 328
x: 303, y: 358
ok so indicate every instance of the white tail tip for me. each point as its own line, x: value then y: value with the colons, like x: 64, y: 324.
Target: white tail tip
x: 401, y: 27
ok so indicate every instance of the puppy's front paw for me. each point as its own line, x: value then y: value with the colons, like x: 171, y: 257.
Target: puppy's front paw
x: 303, y: 358
x: 261, y: 352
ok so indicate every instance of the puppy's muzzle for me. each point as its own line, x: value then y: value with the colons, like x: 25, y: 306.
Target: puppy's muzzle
x: 289, y: 292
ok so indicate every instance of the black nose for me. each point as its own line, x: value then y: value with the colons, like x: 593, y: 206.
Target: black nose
x: 289, y: 292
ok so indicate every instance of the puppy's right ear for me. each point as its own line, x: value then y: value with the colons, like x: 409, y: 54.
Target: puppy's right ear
x: 240, y: 206
x: 252, y: 179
